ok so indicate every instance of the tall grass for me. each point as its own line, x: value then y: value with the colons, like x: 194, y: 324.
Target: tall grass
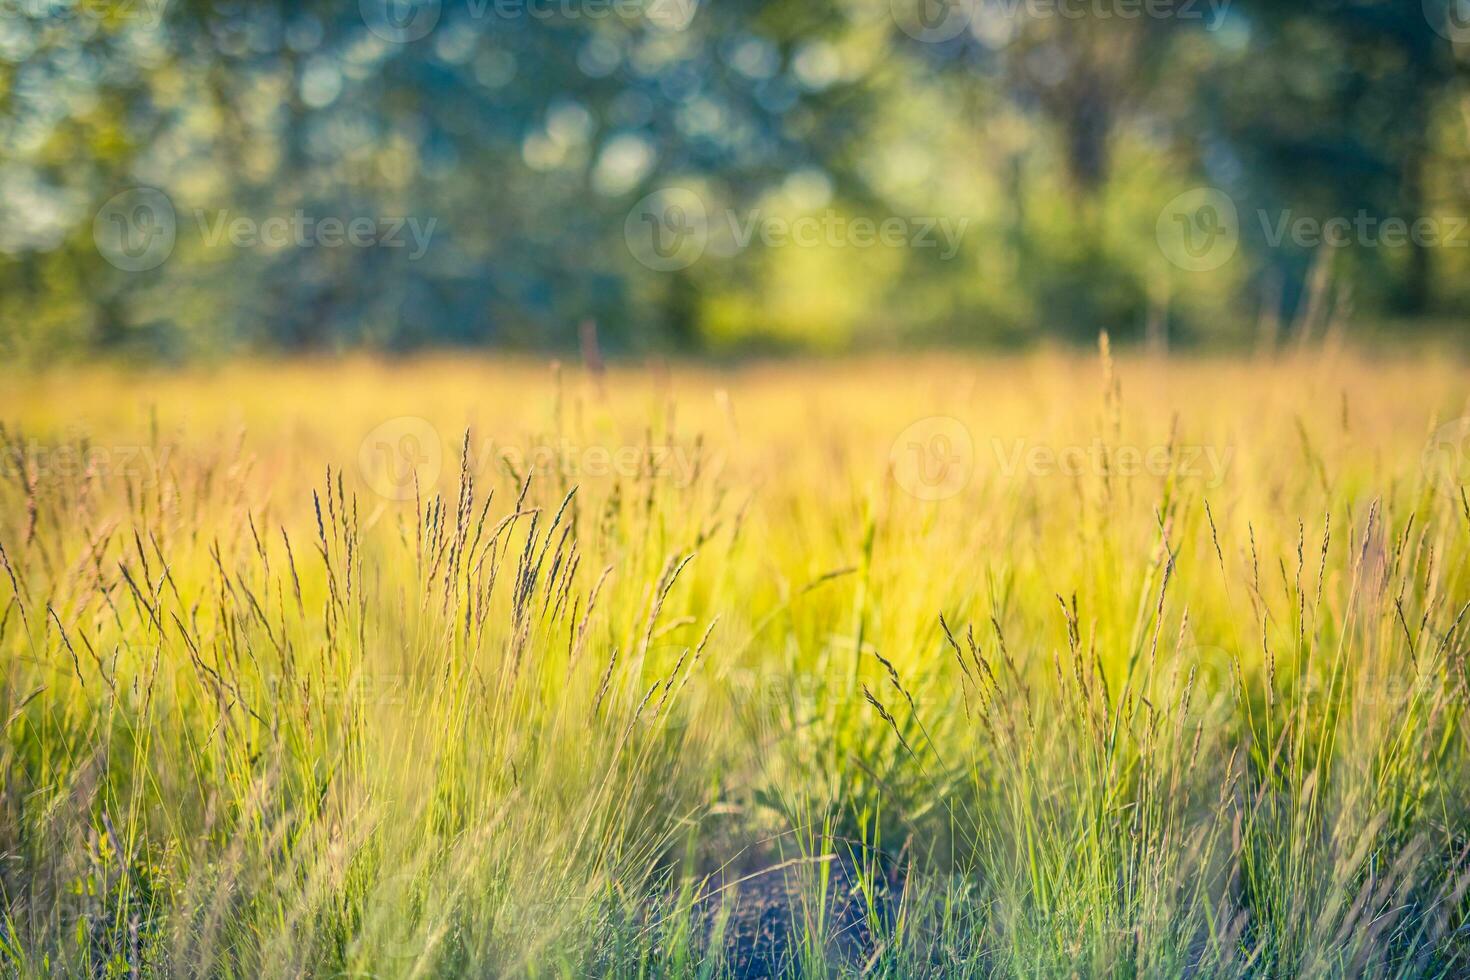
x: 1173, y: 685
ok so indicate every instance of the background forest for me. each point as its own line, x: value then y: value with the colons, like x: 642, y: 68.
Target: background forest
x: 199, y: 178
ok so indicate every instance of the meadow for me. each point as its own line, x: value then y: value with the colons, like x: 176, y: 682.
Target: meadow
x: 1055, y: 665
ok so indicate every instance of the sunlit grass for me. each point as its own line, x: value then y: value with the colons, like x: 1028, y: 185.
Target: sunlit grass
x: 675, y: 671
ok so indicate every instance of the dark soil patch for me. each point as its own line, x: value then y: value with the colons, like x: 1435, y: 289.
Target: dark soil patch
x: 768, y: 913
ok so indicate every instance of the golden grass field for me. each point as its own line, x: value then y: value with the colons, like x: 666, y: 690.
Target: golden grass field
x: 1049, y: 665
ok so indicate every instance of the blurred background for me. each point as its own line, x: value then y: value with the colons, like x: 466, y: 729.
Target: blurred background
x: 194, y: 179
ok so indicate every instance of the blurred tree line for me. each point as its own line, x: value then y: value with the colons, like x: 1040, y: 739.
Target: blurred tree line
x: 521, y: 138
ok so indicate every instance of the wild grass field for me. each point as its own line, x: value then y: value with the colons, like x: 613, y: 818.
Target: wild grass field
x: 1043, y: 666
